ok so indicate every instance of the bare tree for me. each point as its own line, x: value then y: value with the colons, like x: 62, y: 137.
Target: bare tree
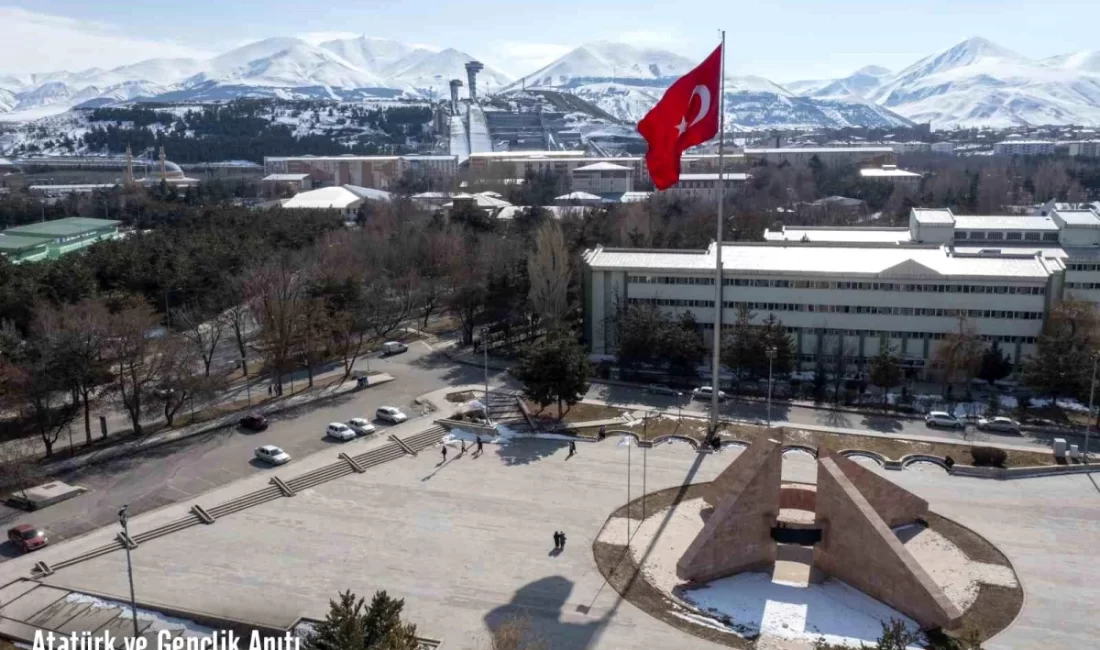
x: 237, y: 319
x: 548, y: 273
x: 313, y: 332
x: 18, y: 465
x: 136, y: 358
x: 959, y: 354
x: 201, y: 333
x: 276, y: 297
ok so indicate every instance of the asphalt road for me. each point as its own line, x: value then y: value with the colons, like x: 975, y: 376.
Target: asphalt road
x: 185, y: 469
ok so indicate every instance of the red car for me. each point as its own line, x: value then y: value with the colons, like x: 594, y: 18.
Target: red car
x: 27, y: 537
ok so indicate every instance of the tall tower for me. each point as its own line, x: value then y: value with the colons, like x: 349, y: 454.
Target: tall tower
x: 129, y: 177
x: 472, y: 68
x: 455, y: 85
x: 163, y: 170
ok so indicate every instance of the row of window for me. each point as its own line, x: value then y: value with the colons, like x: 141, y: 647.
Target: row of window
x: 845, y: 309
x: 1084, y: 286
x: 984, y: 235
x: 844, y: 286
x: 880, y: 334
x: 1078, y: 266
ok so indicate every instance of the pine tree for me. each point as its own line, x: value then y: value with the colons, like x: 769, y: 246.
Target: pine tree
x: 383, y: 627
x: 555, y: 369
x: 343, y: 627
x: 885, y: 370
x: 994, y: 365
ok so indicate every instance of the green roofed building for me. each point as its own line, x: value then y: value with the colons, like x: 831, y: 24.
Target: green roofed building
x: 52, y: 239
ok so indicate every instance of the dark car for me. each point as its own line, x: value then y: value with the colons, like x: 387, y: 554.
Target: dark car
x: 254, y: 422
x: 27, y: 537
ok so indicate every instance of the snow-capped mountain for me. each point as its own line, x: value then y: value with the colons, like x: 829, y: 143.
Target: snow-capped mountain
x: 627, y: 81
x: 1086, y: 62
x: 979, y: 83
x: 860, y: 84
x: 351, y: 70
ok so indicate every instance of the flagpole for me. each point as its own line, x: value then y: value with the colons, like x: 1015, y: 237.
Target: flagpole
x: 716, y: 361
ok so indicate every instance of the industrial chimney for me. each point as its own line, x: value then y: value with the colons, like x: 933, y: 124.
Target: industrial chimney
x: 472, y: 68
x: 455, y: 85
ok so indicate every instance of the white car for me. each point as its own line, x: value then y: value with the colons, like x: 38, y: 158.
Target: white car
x: 390, y: 414
x: 999, y: 424
x: 339, y: 431
x: 361, y: 426
x: 707, y: 392
x: 272, y: 455
x: 942, y: 419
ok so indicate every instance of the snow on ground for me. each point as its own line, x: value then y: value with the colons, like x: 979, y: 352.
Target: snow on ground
x: 924, y: 466
x: 949, y: 567
x: 185, y: 627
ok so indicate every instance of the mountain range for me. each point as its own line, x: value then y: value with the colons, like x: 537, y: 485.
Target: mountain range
x: 976, y: 83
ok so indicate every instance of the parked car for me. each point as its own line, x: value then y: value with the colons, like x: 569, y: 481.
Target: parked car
x: 390, y: 414
x: 1007, y: 425
x: 339, y: 431
x: 361, y: 426
x: 28, y: 538
x: 942, y: 419
x: 272, y: 455
x: 394, y: 347
x: 254, y: 422
x: 706, y: 392
x: 660, y: 389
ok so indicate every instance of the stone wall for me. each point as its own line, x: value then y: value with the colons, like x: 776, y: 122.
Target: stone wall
x: 798, y: 497
x: 894, y: 504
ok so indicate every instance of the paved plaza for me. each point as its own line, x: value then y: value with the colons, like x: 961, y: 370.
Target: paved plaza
x: 465, y: 541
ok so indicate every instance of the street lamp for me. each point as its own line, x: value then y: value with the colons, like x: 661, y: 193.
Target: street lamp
x: 123, y: 517
x: 680, y: 408
x: 1092, y: 395
x: 770, y: 352
x: 485, y: 351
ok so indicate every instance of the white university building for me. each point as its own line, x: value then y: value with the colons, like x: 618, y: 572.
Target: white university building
x: 855, y: 287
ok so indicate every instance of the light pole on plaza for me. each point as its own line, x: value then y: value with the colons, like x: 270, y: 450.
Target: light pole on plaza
x: 770, y: 352
x: 1092, y: 396
x: 123, y: 518
x: 485, y: 350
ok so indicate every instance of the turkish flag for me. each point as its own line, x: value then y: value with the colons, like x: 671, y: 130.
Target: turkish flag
x: 687, y: 115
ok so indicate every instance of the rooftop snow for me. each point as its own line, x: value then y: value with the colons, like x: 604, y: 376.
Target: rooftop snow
x: 1079, y: 218
x: 869, y: 261
x: 933, y: 216
x: 887, y: 172
x: 334, y: 197
x: 1007, y: 222
x: 279, y: 178
x: 749, y: 150
x: 602, y: 166
x: 862, y: 235
x: 729, y: 176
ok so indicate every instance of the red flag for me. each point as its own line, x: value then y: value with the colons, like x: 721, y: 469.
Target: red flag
x: 687, y: 115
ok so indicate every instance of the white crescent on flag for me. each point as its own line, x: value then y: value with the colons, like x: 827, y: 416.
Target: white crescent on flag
x: 704, y: 103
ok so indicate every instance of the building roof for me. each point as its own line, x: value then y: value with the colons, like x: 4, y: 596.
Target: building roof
x: 933, y: 216
x: 67, y: 227
x: 634, y: 197
x: 343, y: 158
x: 482, y: 200
x: 602, y: 167
x: 729, y: 176
x: 579, y: 196
x: 15, y: 243
x: 285, y: 178
x: 528, y: 154
x: 4, y: 162
x: 72, y: 187
x: 1078, y: 218
x: 839, y: 200
x: 338, y: 198
x: 861, y: 235
x: 750, y: 150
x: 868, y: 261
x: 887, y: 172
x: 369, y: 193
x: 1005, y: 222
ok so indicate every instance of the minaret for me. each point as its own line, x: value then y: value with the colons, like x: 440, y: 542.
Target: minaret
x: 472, y: 68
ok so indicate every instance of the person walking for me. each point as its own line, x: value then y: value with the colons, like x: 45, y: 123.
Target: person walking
x: 463, y: 448
x: 479, y: 449
x: 572, y: 448
x: 561, y: 538
x: 557, y: 540
x: 444, y: 453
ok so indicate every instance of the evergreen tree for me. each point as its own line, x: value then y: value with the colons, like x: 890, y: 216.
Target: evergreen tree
x: 994, y: 364
x: 348, y: 627
x: 383, y: 627
x: 555, y: 369
x: 885, y: 370
x: 682, y: 346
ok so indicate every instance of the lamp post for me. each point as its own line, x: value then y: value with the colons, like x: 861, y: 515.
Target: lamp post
x: 485, y: 351
x: 1092, y: 395
x: 680, y: 407
x: 123, y: 517
x: 770, y: 352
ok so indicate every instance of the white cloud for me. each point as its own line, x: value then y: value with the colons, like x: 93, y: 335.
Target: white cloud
x: 517, y: 58
x: 316, y: 38
x: 35, y: 42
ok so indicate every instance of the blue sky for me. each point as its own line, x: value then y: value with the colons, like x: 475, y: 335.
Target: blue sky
x: 782, y: 40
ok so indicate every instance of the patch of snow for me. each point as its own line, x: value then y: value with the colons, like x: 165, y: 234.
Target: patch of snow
x: 950, y: 568
x: 185, y: 627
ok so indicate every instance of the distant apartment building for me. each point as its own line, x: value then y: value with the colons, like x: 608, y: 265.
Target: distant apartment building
x: 516, y: 164
x: 912, y: 147
x: 801, y: 156
x: 603, y: 178
x: 52, y: 239
x: 1024, y: 148
x: 1085, y: 148
x: 295, y: 182
x: 891, y: 174
x: 705, y: 186
x: 377, y: 172
x: 943, y: 147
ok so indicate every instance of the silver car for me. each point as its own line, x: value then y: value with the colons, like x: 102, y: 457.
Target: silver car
x: 361, y: 426
x: 339, y: 431
x: 943, y: 419
x: 1008, y: 425
x: 272, y: 455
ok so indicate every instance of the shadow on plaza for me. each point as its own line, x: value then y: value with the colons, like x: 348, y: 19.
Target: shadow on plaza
x: 541, y: 603
x: 528, y: 450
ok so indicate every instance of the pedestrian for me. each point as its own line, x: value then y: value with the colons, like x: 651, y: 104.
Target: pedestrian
x: 463, y: 448
x: 269, y: 390
x: 557, y: 540
x: 603, y: 432
x: 444, y: 453
x: 561, y: 536
x: 572, y: 448
x: 479, y: 450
